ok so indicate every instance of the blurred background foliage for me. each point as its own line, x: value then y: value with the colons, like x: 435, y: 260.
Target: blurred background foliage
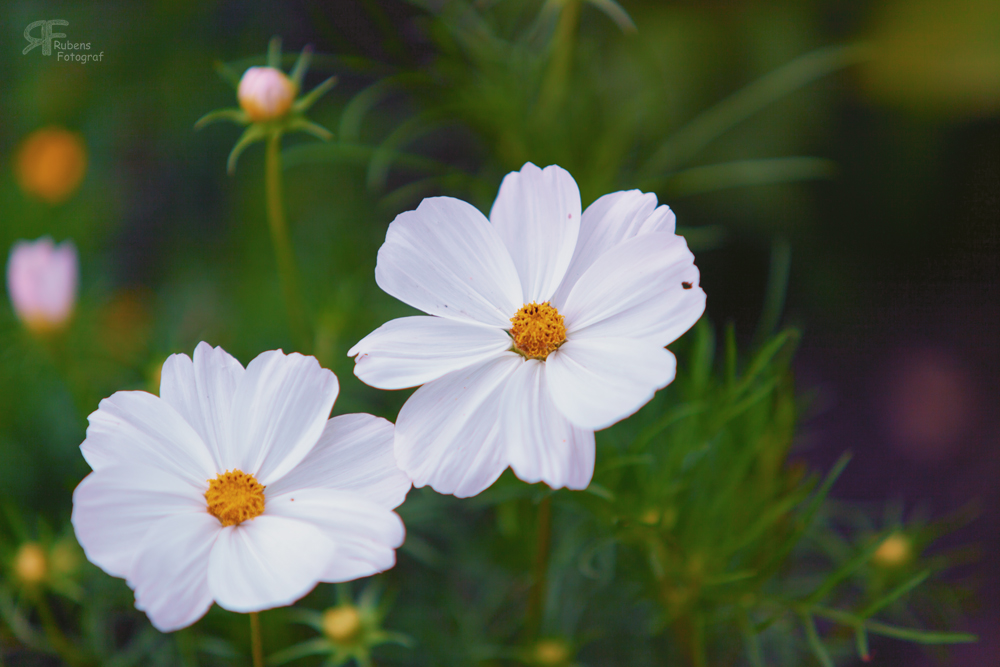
x: 847, y: 150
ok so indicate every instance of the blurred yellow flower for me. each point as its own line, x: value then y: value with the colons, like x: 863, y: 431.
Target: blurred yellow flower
x: 894, y: 550
x: 551, y: 652
x: 51, y: 163
x: 342, y: 624
x: 31, y: 564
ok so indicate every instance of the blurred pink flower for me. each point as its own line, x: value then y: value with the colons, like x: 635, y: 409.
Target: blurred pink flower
x: 42, y: 282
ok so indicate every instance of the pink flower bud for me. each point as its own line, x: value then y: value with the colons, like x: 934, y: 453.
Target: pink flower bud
x: 266, y: 93
x: 42, y: 281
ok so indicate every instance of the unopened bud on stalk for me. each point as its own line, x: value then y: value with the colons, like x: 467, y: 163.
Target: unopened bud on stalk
x: 42, y: 281
x: 266, y: 93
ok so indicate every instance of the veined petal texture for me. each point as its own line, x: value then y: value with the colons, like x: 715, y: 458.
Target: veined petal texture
x: 446, y: 259
x: 411, y: 351
x: 537, y: 214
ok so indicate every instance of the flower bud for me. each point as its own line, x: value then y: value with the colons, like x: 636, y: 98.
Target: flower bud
x: 266, y: 93
x: 551, y: 652
x: 894, y: 550
x: 342, y: 624
x: 31, y: 564
x: 51, y: 163
x: 42, y: 282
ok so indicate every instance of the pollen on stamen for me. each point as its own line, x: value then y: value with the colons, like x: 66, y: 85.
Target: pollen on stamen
x: 234, y: 497
x: 537, y: 330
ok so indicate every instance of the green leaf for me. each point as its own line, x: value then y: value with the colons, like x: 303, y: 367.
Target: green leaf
x: 316, y: 646
x: 748, y: 173
x: 861, y: 641
x: 385, y: 155
x: 815, y: 643
x: 754, y: 655
x: 679, y: 412
x: 706, y: 127
x: 843, y: 572
x: 805, y: 520
x: 764, y: 359
x: 907, y: 634
x: 616, y: 13
x: 354, y: 112
x: 894, y: 595
x: 595, y: 489
x: 777, y: 288
x: 919, y: 636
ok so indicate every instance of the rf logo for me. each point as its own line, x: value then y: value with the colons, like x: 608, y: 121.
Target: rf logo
x: 45, y: 41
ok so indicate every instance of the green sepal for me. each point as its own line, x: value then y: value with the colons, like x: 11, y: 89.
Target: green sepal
x: 228, y: 74
x: 274, y: 53
x: 301, y: 66
x: 255, y: 132
x: 307, y: 100
x: 238, y: 116
x: 307, y: 126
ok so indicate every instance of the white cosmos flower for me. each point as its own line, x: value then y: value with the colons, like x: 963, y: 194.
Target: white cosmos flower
x: 232, y: 486
x: 544, y: 327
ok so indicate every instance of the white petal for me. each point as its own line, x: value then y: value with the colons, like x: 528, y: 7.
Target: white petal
x: 411, y: 351
x: 446, y: 433
x: 353, y: 454
x: 270, y: 561
x: 202, y: 392
x: 114, y: 507
x: 366, y: 534
x: 537, y: 214
x: 279, y: 411
x: 542, y: 445
x: 613, y: 218
x: 170, y: 575
x: 637, y: 290
x: 137, y: 427
x: 597, y: 382
x: 447, y: 260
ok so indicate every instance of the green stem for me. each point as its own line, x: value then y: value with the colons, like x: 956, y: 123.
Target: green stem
x: 287, y: 272
x: 256, y: 645
x: 536, y: 597
x: 55, y: 635
x: 556, y: 81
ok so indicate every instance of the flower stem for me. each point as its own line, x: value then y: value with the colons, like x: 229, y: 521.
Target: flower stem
x: 287, y: 271
x: 256, y: 645
x: 536, y: 597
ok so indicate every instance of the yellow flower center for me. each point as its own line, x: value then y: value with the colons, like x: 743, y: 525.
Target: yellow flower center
x: 233, y: 497
x: 537, y: 330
